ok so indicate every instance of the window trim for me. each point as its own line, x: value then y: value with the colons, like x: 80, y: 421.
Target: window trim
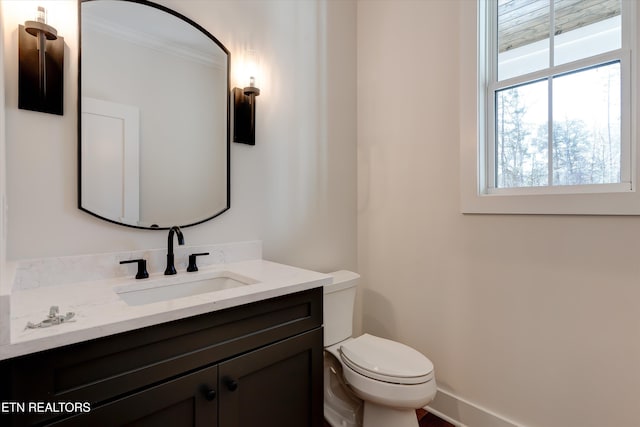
x: 596, y: 199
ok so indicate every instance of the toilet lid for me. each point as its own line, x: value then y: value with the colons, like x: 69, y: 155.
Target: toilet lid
x: 386, y: 360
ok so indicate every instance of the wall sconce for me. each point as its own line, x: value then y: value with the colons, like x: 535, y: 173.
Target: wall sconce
x: 244, y: 113
x: 40, y: 66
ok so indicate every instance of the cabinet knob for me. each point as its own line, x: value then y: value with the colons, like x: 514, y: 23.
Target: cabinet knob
x: 231, y: 384
x: 208, y: 392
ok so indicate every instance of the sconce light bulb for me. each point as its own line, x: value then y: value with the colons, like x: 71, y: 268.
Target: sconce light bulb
x: 252, y: 81
x: 41, y: 15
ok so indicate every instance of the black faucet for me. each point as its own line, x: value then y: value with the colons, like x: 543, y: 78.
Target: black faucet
x: 171, y: 269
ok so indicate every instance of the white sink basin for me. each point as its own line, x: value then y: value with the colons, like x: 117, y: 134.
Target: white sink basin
x: 165, y: 289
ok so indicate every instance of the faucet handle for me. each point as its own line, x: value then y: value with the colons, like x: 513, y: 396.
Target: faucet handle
x: 192, y: 261
x: 142, y: 267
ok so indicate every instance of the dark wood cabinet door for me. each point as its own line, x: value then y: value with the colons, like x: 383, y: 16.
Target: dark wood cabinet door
x: 190, y: 401
x: 279, y: 385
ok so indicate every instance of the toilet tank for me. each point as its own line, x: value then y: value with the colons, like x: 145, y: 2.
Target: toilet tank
x: 338, y: 303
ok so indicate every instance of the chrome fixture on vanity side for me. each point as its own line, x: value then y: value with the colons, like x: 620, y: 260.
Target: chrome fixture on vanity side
x: 171, y: 269
x: 54, y: 318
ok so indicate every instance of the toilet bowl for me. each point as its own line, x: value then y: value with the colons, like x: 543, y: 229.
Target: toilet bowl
x: 391, y: 379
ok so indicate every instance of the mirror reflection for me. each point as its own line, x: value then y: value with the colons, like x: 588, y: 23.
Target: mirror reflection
x: 153, y: 116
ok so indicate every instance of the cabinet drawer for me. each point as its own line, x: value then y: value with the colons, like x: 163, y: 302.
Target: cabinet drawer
x: 102, y: 369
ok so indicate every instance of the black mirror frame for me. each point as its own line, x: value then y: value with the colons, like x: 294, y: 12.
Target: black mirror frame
x: 79, y: 113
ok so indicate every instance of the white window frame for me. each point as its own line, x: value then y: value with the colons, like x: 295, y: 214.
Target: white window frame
x: 478, y: 194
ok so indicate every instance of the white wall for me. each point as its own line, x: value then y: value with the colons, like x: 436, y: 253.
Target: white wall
x: 295, y: 190
x: 3, y: 242
x: 4, y: 283
x: 535, y: 318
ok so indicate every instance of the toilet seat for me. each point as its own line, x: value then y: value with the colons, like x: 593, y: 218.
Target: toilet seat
x: 386, y: 360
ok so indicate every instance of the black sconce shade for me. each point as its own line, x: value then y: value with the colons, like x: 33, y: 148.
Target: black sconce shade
x: 244, y: 115
x: 40, y: 68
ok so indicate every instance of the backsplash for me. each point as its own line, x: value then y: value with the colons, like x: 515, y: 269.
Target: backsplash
x: 34, y: 273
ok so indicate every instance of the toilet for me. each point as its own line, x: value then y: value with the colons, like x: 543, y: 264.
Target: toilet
x: 388, y: 379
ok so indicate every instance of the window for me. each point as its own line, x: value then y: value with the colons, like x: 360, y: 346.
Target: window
x: 555, y: 103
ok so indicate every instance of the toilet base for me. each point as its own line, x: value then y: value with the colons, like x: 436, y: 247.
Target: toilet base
x: 384, y: 416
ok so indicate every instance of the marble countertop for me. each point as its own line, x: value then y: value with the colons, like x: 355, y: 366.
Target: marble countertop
x: 99, y: 311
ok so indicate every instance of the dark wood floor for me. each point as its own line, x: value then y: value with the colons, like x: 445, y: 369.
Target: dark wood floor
x: 425, y: 419
x: 429, y: 420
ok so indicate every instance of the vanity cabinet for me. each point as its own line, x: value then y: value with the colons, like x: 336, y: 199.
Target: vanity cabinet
x: 258, y: 364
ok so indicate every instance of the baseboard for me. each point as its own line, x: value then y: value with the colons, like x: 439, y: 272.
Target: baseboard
x: 463, y: 413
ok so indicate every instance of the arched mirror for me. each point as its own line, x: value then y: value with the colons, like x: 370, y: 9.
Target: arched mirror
x: 153, y: 116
